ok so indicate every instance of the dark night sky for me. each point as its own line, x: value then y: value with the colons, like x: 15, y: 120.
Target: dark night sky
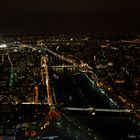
x: 52, y: 16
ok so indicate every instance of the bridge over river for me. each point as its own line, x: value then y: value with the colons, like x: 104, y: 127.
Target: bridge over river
x: 76, y: 108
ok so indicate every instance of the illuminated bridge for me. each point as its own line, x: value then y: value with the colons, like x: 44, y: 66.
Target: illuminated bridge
x: 58, y: 84
x: 46, y: 67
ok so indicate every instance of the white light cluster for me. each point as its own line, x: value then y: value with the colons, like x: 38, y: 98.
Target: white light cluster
x: 3, y: 46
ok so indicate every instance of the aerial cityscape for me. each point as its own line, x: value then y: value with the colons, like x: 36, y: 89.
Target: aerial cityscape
x: 69, y: 87
x: 69, y: 70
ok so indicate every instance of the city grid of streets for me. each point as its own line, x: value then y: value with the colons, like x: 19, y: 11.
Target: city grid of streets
x: 41, y: 74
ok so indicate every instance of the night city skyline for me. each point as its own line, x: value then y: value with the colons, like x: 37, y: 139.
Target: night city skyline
x: 69, y: 69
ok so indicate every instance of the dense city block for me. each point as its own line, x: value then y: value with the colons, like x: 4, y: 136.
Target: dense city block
x: 69, y: 87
